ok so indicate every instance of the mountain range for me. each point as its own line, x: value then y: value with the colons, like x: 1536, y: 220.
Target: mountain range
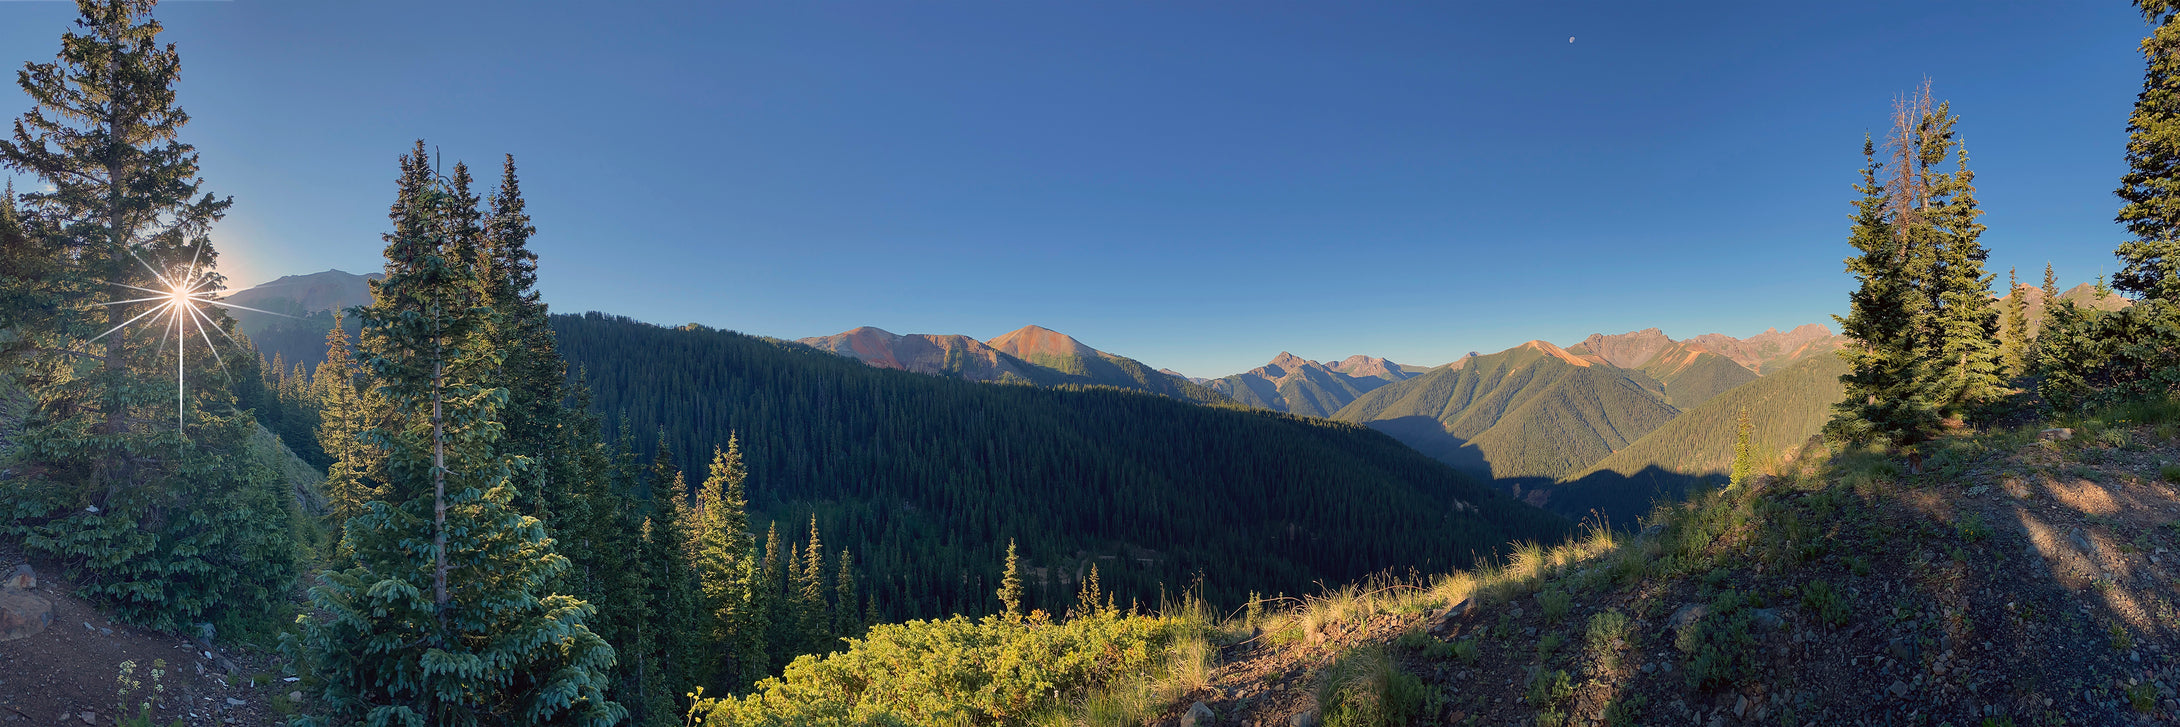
x: 1609, y: 422
x: 1027, y: 355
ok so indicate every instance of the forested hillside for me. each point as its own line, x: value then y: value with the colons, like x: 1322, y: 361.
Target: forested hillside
x: 1785, y: 409
x: 1530, y: 411
x: 927, y: 478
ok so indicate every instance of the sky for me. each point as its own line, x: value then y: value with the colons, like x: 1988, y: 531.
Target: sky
x: 1199, y: 185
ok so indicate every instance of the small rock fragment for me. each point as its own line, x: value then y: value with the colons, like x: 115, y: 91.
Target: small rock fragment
x: 231, y: 701
x: 2059, y: 434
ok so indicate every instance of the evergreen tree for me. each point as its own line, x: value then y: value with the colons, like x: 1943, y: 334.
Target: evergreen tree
x: 1964, y: 322
x: 722, y: 552
x: 846, y: 618
x: 172, y: 524
x: 448, y: 594
x: 2150, y: 263
x: 1010, y: 585
x: 812, y: 612
x: 2013, y: 336
x: 1744, y: 454
x: 352, y: 479
x: 1889, y: 395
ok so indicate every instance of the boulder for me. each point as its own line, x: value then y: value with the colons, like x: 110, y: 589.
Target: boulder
x: 23, y: 578
x: 23, y: 614
x: 1306, y: 718
x: 1198, y: 716
x: 1688, y: 614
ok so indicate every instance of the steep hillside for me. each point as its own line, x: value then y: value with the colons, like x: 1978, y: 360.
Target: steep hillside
x: 1785, y: 409
x: 1296, y: 385
x: 2020, y: 583
x: 1771, y: 349
x: 1534, y: 410
x: 943, y: 355
x: 1627, y: 350
x: 1686, y: 373
x: 305, y: 304
x: 927, y: 478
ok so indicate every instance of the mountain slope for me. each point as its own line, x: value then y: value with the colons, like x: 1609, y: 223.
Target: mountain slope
x: 1765, y: 351
x: 1687, y: 373
x: 2014, y: 589
x: 305, y: 304
x: 1786, y: 409
x: 927, y: 478
x: 1534, y: 410
x: 2084, y: 295
x: 943, y: 355
x: 1296, y: 385
x: 1030, y: 355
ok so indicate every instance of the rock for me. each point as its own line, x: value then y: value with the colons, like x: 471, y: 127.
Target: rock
x: 1767, y: 619
x: 1688, y: 614
x: 1198, y: 716
x: 2060, y: 434
x: 295, y: 696
x: 1899, y: 688
x: 205, y: 631
x: 1902, y: 649
x: 1741, y: 706
x: 22, y: 579
x: 23, y: 614
x: 1515, y: 612
x: 88, y: 717
x: 1306, y: 718
x: 233, y: 702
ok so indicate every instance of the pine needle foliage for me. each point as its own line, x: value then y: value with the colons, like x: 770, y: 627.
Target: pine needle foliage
x: 171, y: 524
x: 448, y: 597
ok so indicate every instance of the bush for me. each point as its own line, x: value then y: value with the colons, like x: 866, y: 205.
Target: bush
x: 1555, y: 603
x: 1364, y: 688
x: 1718, y: 645
x: 1607, y: 637
x: 992, y: 670
x: 1823, y: 601
x: 1551, y: 689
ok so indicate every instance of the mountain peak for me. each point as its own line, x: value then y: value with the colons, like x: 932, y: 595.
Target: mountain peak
x: 1546, y: 348
x: 1291, y: 361
x: 1627, y: 350
x: 1037, y: 341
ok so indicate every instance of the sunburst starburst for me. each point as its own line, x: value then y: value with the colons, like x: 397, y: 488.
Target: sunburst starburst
x: 179, y: 309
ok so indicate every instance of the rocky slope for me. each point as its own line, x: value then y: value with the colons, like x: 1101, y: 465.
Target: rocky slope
x: 1764, y: 351
x: 1030, y: 354
x: 2020, y: 582
x: 1297, y: 385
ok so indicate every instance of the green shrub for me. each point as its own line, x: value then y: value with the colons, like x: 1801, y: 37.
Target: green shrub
x: 1467, y: 651
x: 1607, y: 636
x: 1549, y: 643
x: 1823, y: 601
x: 1626, y: 711
x: 955, y: 670
x: 1718, y: 645
x: 1550, y: 690
x: 2143, y: 697
x: 1555, y: 603
x: 1364, y: 688
x: 2170, y: 472
x: 1972, y: 528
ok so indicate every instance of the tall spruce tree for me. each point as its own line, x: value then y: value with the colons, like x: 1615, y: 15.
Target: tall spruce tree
x: 448, y: 596
x: 353, y: 478
x: 813, y: 614
x: 722, y: 553
x: 172, y: 522
x: 2150, y: 263
x: 2014, y: 342
x: 1963, y: 320
x: 1010, y: 585
x: 1889, y: 396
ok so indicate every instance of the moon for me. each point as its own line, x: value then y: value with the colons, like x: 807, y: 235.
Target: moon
x: 1570, y: 39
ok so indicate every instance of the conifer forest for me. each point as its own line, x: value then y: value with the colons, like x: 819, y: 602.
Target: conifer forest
x: 425, y: 497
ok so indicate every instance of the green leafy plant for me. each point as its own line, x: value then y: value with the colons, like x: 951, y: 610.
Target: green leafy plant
x: 1823, y: 601
x: 1607, y: 636
x: 1364, y: 688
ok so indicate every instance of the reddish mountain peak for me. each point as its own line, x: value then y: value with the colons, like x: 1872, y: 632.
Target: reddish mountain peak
x: 1546, y: 348
x: 1627, y: 350
x: 1288, y: 360
x: 1370, y: 366
x: 1029, y: 341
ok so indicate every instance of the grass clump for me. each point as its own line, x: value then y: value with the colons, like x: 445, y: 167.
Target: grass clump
x: 1823, y: 601
x: 1364, y: 688
x: 1555, y: 604
x: 1608, y: 635
x: 1718, y: 644
x: 1549, y: 694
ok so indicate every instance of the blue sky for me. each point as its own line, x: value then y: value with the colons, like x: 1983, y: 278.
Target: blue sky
x: 1199, y: 185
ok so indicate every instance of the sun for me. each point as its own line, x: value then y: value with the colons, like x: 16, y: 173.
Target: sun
x: 179, y: 311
